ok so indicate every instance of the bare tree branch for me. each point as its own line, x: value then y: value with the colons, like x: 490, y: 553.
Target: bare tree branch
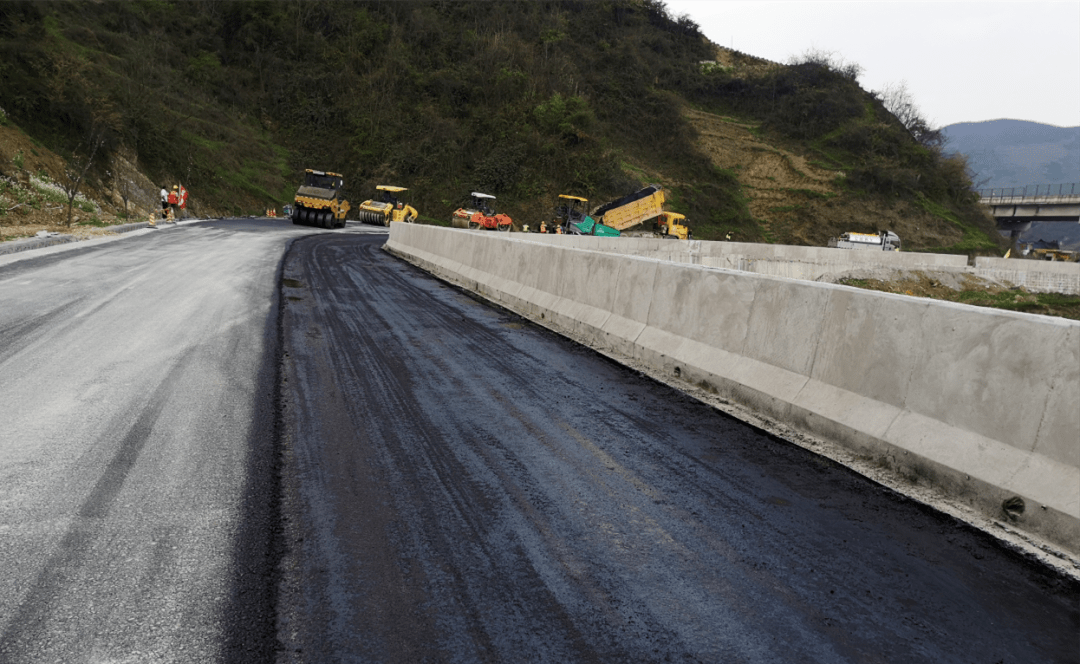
x: 899, y: 101
x: 79, y: 165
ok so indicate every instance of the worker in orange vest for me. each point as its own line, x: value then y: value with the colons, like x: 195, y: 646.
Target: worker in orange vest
x: 174, y: 201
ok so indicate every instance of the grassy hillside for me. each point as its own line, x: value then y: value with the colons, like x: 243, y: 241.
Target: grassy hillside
x: 523, y: 100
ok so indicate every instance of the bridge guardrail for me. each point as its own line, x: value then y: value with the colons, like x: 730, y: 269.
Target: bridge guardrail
x: 1035, y: 193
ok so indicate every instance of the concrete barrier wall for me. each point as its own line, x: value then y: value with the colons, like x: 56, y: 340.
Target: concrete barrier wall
x: 977, y: 402
x: 815, y: 263
x: 809, y: 263
x: 1035, y: 276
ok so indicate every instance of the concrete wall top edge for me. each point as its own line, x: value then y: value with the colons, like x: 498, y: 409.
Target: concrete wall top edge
x: 1054, y: 267
x: 490, y: 236
x: 606, y: 257
x: 749, y: 250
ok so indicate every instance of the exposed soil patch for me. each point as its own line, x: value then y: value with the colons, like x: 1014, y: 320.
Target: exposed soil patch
x: 23, y: 223
x: 800, y: 203
x: 33, y: 200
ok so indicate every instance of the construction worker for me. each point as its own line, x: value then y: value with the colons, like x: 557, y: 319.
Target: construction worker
x: 174, y: 201
x: 182, y: 197
x: 164, y: 203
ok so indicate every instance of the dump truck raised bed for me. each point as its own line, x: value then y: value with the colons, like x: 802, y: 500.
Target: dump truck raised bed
x: 633, y: 209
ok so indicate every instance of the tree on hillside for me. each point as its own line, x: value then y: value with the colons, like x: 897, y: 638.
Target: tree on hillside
x: 79, y: 165
x: 899, y: 101
x: 126, y: 186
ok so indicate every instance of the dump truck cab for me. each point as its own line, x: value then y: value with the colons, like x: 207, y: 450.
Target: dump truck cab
x: 673, y: 225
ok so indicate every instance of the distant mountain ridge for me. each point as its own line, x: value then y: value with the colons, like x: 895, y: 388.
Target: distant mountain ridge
x: 1016, y: 153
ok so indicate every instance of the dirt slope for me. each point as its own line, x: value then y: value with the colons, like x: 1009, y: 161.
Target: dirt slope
x: 799, y: 203
x: 32, y: 200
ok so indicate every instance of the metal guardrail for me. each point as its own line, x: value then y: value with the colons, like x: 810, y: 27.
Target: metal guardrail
x: 1035, y: 193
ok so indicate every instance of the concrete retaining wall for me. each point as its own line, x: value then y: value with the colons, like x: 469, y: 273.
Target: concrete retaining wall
x: 810, y: 263
x: 977, y: 402
x: 1035, y: 276
x: 817, y: 263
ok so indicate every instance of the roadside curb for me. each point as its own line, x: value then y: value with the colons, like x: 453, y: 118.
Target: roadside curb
x: 35, y: 243
x: 9, y: 250
x: 18, y: 250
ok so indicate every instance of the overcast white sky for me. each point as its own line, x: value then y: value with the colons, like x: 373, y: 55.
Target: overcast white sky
x: 962, y: 61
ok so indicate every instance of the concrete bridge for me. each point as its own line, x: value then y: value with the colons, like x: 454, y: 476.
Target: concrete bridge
x: 1015, y: 208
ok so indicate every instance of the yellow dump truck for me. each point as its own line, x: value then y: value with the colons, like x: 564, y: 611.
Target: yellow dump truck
x: 1056, y: 255
x: 320, y: 200
x: 388, y: 208
x: 1048, y: 250
x: 628, y: 212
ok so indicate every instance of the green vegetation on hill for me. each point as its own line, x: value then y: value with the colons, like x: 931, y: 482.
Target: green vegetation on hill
x: 819, y: 105
x: 523, y: 100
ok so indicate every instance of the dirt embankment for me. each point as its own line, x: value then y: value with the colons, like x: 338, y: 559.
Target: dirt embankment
x: 798, y: 202
x: 32, y: 196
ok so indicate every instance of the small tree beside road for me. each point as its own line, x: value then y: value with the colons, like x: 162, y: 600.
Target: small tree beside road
x: 79, y: 165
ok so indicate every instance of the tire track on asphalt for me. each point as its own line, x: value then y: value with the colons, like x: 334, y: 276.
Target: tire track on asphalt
x: 417, y: 467
x: 61, y: 568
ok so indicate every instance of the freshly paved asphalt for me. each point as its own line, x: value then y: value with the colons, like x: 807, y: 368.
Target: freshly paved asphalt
x: 462, y: 486
x: 219, y: 446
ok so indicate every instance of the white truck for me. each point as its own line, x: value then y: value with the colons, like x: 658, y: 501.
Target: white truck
x: 883, y: 241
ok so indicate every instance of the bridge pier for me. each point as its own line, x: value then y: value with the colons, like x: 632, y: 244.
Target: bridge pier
x: 1015, y: 229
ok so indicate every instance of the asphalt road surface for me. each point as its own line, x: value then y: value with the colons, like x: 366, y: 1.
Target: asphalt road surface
x: 209, y: 452
x: 138, y: 501
x: 462, y: 486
